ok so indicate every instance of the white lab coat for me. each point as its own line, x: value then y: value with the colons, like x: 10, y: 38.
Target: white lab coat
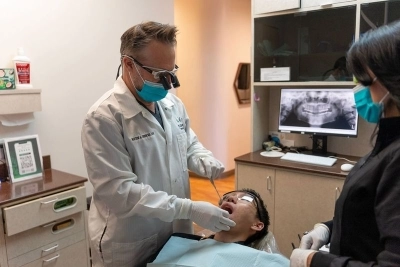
x: 137, y: 170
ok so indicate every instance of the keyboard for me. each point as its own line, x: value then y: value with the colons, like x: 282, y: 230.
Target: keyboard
x: 309, y: 159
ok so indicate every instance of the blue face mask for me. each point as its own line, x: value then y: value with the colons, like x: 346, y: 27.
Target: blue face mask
x: 150, y: 92
x: 366, y: 107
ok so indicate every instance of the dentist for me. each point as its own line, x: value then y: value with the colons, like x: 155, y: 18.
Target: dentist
x: 138, y: 148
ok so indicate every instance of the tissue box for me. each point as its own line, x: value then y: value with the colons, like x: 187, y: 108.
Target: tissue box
x: 7, y: 79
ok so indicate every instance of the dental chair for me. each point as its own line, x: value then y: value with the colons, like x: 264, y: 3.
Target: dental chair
x: 267, y: 244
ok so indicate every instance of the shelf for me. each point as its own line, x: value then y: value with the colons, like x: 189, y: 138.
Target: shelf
x: 315, y: 83
x: 17, y: 101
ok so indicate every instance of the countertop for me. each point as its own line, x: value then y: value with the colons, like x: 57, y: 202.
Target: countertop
x: 257, y: 159
x: 52, y: 180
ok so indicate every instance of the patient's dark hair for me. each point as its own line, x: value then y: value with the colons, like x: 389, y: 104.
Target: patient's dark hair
x: 262, y: 214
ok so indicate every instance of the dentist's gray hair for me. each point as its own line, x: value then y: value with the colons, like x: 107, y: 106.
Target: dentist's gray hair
x: 138, y: 36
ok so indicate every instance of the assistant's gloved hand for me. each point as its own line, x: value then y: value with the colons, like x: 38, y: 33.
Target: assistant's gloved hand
x: 211, y: 167
x: 299, y: 257
x: 205, y: 215
x: 315, y: 239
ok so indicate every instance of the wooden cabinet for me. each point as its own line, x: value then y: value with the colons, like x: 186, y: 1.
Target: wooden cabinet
x: 47, y: 227
x: 263, y: 181
x: 302, y: 200
x: 297, y: 195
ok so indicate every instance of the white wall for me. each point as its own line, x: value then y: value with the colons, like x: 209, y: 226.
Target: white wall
x: 214, y: 36
x: 74, y: 48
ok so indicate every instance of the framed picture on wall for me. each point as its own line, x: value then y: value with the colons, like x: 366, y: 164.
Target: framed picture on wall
x: 23, y: 157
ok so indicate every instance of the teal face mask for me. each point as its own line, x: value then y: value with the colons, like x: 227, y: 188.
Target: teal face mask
x: 150, y: 92
x: 366, y: 107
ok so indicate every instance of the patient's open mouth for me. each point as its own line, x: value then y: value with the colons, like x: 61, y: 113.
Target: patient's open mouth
x: 227, y: 208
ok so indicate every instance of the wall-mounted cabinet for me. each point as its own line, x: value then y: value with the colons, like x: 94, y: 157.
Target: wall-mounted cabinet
x: 20, y: 101
x: 309, y: 44
x: 311, y: 41
x: 268, y: 6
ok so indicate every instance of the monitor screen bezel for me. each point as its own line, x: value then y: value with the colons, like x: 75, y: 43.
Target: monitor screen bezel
x: 313, y: 131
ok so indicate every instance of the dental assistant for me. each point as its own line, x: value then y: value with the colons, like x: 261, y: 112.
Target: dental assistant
x: 138, y: 148
x: 365, y: 230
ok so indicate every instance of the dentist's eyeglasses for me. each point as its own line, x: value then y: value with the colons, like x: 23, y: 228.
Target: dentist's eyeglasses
x: 166, y: 77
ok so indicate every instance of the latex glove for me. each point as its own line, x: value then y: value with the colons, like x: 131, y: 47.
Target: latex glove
x: 211, y: 167
x: 299, y: 257
x: 315, y: 239
x: 205, y: 215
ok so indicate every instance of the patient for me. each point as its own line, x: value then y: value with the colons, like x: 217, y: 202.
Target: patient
x: 248, y: 211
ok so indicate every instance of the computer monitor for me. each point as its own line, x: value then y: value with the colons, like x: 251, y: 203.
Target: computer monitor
x: 319, y: 112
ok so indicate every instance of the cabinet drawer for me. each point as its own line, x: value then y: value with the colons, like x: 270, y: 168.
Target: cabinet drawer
x: 40, y: 211
x: 48, y: 250
x: 74, y: 255
x: 43, y: 236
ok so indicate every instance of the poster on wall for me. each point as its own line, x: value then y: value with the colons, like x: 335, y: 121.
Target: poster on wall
x: 23, y: 157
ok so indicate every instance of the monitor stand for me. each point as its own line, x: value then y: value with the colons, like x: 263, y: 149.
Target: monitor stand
x: 319, y: 146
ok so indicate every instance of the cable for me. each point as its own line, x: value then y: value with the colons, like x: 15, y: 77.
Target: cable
x: 351, y: 161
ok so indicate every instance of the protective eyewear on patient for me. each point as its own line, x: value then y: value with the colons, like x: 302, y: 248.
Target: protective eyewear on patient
x: 243, y: 196
x: 160, y: 74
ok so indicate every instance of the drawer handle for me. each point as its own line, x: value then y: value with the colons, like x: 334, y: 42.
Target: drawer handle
x: 337, y: 193
x: 269, y: 183
x: 65, y: 203
x: 50, y: 201
x: 53, y: 247
x: 52, y: 259
x: 326, y: 5
x: 49, y: 224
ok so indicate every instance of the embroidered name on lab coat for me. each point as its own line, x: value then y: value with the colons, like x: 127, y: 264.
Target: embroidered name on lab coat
x: 180, y: 124
x: 139, y: 137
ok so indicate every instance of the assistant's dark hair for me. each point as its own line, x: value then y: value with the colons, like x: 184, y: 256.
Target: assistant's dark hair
x: 138, y: 36
x: 379, y: 51
x: 262, y: 213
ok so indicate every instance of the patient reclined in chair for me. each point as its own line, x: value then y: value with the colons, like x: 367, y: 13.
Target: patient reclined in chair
x: 247, y: 244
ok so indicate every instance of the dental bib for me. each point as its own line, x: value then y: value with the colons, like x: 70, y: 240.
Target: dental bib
x: 185, y: 252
